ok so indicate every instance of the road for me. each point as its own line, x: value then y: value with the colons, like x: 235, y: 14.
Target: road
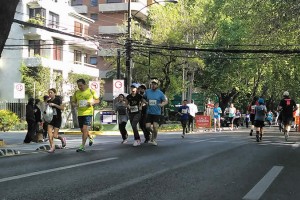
x: 227, y: 165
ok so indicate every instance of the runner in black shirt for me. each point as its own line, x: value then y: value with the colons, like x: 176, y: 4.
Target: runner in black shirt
x: 287, y: 106
x: 134, y: 104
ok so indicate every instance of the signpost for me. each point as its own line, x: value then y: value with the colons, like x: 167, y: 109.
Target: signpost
x: 19, y: 90
x: 118, y: 87
x: 95, y: 85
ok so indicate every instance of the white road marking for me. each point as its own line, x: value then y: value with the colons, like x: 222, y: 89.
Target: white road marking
x: 54, y: 170
x: 196, y: 141
x: 258, y: 190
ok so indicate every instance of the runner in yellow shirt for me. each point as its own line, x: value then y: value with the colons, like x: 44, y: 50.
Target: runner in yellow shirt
x: 84, y: 99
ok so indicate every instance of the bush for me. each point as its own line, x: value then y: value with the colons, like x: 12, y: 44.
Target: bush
x: 97, y: 126
x: 8, y: 120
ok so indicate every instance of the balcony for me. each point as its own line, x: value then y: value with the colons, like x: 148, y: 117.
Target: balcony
x: 78, y: 68
x: 111, y: 30
x: 123, y: 7
x: 82, y: 9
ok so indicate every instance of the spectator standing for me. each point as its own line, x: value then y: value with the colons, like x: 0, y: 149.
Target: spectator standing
x: 193, y: 110
x: 122, y: 113
x: 30, y: 119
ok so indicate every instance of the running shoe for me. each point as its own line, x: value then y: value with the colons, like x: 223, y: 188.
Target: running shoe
x: 91, y: 140
x: 146, y: 141
x: 80, y: 149
x: 137, y: 143
x: 251, y: 132
x: 153, y: 142
x: 182, y: 135
x: 52, y: 150
x: 286, y: 135
x: 64, y: 142
x: 260, y: 137
x: 124, y: 141
x: 257, y: 138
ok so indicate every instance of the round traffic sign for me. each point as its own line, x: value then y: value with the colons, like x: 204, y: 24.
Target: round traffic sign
x: 118, y: 84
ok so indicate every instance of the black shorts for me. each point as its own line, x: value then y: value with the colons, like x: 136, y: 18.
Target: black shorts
x: 153, y: 118
x: 252, y: 117
x: 287, y: 120
x: 56, y: 121
x: 259, y: 124
x: 84, y: 120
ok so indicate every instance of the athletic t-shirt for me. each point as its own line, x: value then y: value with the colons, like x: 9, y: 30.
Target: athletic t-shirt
x: 82, y: 98
x: 184, y: 110
x: 154, y: 97
x: 260, y: 113
x: 217, y: 112
x: 287, y: 105
x: 134, y: 102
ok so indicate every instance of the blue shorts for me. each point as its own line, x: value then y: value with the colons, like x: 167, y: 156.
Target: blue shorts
x: 84, y: 120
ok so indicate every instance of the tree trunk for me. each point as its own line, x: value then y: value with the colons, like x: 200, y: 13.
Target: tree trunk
x: 7, y: 13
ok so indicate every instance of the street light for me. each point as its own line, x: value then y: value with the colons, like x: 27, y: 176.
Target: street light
x: 128, y: 44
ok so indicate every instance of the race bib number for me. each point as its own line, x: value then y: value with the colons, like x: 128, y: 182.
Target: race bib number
x: 184, y: 111
x: 152, y: 102
x: 216, y: 113
x: 82, y: 103
x: 134, y: 109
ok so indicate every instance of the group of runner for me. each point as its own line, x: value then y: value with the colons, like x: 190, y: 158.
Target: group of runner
x: 258, y: 111
x: 142, y: 106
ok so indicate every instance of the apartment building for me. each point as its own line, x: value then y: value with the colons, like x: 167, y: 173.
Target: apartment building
x: 48, y: 33
x: 110, y: 18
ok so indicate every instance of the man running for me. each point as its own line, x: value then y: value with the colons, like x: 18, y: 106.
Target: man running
x: 287, y: 106
x: 251, y: 109
x: 134, y: 101
x: 142, y: 88
x: 155, y: 100
x: 259, y: 120
x: 183, y: 111
x: 84, y: 99
x: 193, y: 111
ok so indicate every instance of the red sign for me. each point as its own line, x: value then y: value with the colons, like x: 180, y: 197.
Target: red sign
x: 202, y: 121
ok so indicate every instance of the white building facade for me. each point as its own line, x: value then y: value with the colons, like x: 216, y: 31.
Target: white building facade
x: 51, y: 34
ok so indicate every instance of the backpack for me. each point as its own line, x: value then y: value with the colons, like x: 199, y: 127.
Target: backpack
x: 48, y: 114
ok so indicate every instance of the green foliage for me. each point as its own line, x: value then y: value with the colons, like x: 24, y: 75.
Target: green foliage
x: 98, y: 126
x: 8, y: 120
x: 38, y: 20
x: 40, y: 76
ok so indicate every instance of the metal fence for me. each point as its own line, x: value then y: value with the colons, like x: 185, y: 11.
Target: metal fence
x: 18, y: 107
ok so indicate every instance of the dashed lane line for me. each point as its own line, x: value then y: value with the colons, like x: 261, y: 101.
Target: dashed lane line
x: 259, y: 189
x: 54, y: 170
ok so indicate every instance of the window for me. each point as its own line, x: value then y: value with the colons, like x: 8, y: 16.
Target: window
x: 94, y: 16
x: 77, y: 57
x: 113, y: 1
x: 93, y: 60
x: 86, y: 30
x: 53, y: 20
x: 94, y: 2
x: 34, y: 48
x: 76, y: 3
x: 78, y: 28
x: 57, y: 49
x: 38, y: 14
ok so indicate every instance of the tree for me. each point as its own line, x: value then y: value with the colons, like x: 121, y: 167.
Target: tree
x: 7, y: 12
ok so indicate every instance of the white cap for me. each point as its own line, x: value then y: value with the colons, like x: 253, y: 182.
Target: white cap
x: 286, y: 93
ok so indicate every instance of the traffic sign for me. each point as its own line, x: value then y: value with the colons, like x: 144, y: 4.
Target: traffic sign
x: 19, y: 90
x: 118, y: 87
x: 95, y: 85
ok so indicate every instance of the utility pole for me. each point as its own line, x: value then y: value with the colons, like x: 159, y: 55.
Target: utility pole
x: 128, y: 49
x: 119, y: 64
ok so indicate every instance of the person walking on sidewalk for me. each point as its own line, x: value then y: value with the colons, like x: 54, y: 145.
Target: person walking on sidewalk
x: 45, y: 123
x: 30, y: 119
x: 155, y: 101
x: 192, y: 115
x: 286, y: 107
x: 134, y: 102
x: 84, y: 99
x: 55, y: 102
x: 259, y: 120
x: 184, y: 111
x: 122, y: 113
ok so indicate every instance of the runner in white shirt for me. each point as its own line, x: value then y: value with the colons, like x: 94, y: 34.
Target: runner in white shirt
x: 193, y: 110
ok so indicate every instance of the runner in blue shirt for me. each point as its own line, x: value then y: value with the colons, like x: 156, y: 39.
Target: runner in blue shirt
x: 184, y: 111
x: 217, y: 116
x: 155, y: 100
